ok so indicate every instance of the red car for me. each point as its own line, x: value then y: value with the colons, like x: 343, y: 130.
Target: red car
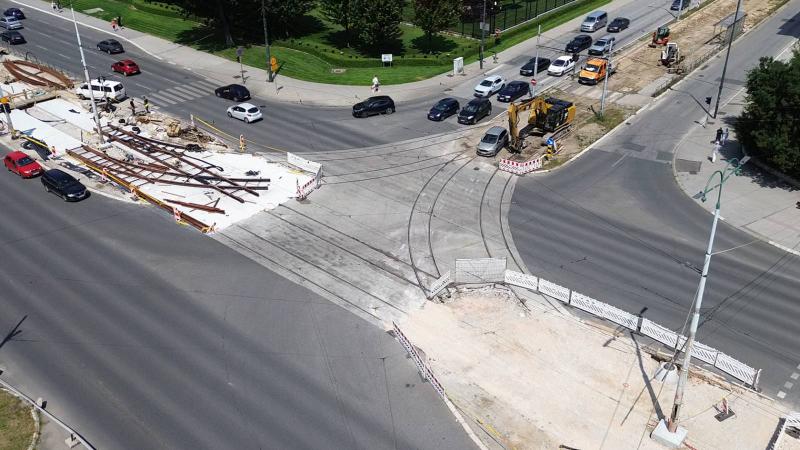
x: 22, y: 164
x: 126, y: 67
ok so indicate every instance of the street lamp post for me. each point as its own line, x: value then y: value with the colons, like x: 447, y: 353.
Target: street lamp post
x: 605, y: 80
x: 734, y: 167
x: 86, y: 75
x: 266, y: 41
x: 483, y: 30
x: 727, y: 55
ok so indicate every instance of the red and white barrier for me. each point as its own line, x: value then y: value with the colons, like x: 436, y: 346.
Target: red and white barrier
x: 520, y: 168
x: 309, y: 166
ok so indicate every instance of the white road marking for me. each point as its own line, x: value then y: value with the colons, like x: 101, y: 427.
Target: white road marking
x: 795, y: 376
x: 788, y: 385
x: 781, y: 394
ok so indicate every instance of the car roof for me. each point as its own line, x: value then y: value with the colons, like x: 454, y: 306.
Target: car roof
x: 246, y: 105
x: 495, y: 130
x: 517, y: 83
x: 16, y: 154
x: 379, y: 97
x: 563, y: 58
x: 126, y: 61
x: 619, y: 18
x: 493, y: 78
x: 59, y: 174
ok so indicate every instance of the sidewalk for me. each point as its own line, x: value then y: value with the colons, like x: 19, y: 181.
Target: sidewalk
x: 296, y: 91
x: 756, y: 201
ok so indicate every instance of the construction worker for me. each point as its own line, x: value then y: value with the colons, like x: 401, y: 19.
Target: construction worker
x: 133, y: 108
x: 146, y: 104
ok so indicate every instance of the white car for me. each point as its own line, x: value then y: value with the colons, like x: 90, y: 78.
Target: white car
x: 489, y: 86
x: 245, y: 111
x: 561, y: 66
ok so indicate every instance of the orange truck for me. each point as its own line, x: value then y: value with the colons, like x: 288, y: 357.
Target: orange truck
x: 595, y: 71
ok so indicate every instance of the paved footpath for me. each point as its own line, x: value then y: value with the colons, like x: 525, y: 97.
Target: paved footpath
x: 757, y: 201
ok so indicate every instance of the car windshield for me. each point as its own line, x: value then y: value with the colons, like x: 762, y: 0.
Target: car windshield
x: 470, y: 108
x: 600, y: 43
x: 592, y: 68
x: 486, y: 83
x: 24, y: 161
x: 489, y: 138
x: 441, y: 106
x: 253, y: 110
x: 559, y: 62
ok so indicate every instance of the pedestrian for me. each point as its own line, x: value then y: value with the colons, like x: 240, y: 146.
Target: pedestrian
x: 719, y: 135
x: 53, y: 5
x: 114, y: 24
x: 133, y: 108
x: 375, y: 84
x: 714, y: 152
x: 146, y: 104
x: 725, y: 136
x: 119, y: 21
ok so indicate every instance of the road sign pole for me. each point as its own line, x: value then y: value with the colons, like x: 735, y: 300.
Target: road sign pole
x: 536, y: 63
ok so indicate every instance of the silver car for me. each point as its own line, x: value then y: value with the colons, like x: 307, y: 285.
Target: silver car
x: 493, y: 141
x: 10, y: 23
x: 602, y: 45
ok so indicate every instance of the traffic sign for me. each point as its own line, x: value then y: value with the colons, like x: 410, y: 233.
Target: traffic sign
x: 550, y: 141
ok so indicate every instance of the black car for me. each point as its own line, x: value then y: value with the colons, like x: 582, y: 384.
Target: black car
x: 475, y: 110
x: 443, y: 109
x: 580, y: 43
x: 110, y: 46
x: 381, y: 104
x: 15, y: 13
x: 12, y: 37
x: 235, y: 92
x: 618, y: 24
x: 513, y: 91
x: 64, y: 185
x: 528, y: 69
x: 680, y: 4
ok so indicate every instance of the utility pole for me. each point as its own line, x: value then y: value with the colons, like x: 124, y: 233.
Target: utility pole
x: 605, y: 80
x: 680, y: 9
x: 536, y: 63
x: 86, y: 75
x: 483, y: 30
x: 266, y: 41
x: 727, y: 55
x: 5, y: 103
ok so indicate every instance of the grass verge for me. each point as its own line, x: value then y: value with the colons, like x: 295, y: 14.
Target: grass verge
x: 16, y: 424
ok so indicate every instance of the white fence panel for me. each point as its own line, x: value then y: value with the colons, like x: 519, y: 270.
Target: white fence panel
x: 700, y: 351
x: 554, y: 290
x: 423, y: 368
x: 481, y: 270
x: 586, y: 303
x: 522, y: 280
x: 621, y: 317
x: 659, y: 333
x: 305, y: 164
x: 439, y: 284
x: 736, y: 368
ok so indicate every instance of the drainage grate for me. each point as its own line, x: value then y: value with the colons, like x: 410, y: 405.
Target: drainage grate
x: 684, y: 165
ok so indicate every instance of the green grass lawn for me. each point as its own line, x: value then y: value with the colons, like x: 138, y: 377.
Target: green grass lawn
x: 151, y: 18
x: 16, y: 424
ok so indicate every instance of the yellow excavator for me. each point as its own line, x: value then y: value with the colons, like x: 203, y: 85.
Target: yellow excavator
x: 549, y: 118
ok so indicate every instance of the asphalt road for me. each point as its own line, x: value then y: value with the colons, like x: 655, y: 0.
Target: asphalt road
x: 616, y: 226
x: 292, y: 127
x: 145, y: 335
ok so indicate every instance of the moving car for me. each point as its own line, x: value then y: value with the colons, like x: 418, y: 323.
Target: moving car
x: 618, y: 24
x: 475, y: 110
x: 602, y: 45
x: 489, y: 86
x: 513, y: 91
x: 381, y: 104
x: 528, y: 69
x: 561, y: 65
x: 493, y: 141
x: 578, y: 44
x: 594, y: 21
x: 443, y: 109
x: 110, y: 46
x: 235, y: 92
x: 105, y: 89
x: 678, y: 4
x: 12, y: 37
x: 64, y: 185
x: 15, y: 13
x: 10, y: 23
x: 245, y: 111
x: 126, y: 67
x: 22, y: 164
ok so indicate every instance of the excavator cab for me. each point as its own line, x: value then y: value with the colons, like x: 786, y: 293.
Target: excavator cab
x: 660, y: 37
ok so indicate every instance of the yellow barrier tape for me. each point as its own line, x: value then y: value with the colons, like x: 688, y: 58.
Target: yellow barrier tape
x: 235, y: 138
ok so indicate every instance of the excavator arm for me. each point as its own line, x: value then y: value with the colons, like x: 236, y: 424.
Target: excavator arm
x: 536, y: 106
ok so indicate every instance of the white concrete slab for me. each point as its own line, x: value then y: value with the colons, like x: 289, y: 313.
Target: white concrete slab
x: 42, y: 131
x: 73, y: 114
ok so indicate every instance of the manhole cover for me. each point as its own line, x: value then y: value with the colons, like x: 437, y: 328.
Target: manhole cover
x: 685, y: 165
x: 338, y: 70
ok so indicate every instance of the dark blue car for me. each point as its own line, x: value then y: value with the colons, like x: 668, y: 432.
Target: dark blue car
x: 15, y: 13
x: 443, y: 109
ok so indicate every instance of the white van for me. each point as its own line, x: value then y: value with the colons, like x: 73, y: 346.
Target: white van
x: 101, y: 90
x: 594, y: 21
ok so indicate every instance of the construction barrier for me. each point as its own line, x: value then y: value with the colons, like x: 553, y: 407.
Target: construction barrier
x: 479, y: 271
x: 439, y: 284
x: 520, y: 168
x: 423, y: 368
x: 307, y: 166
x: 789, y: 421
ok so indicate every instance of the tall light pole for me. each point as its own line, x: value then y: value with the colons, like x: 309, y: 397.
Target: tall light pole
x: 727, y: 55
x: 266, y: 41
x: 680, y: 9
x: 734, y: 167
x: 536, y: 63
x: 483, y: 29
x: 86, y: 75
x: 605, y: 79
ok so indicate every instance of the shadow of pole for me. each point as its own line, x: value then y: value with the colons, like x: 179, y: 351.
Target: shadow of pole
x: 14, y: 331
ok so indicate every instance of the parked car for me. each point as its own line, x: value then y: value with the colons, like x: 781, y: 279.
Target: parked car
x: 443, y: 109
x: 489, y: 86
x: 126, y: 67
x: 680, y: 4
x: 493, y: 141
x: 15, y: 13
x: 22, y: 164
x: 513, y: 91
x: 101, y: 89
x: 528, y: 69
x: 235, y: 92
x: 578, y: 44
x: 10, y: 23
x: 110, y: 46
x: 381, y: 104
x: 618, y: 24
x: 602, y: 45
x: 475, y: 110
x: 594, y: 21
x: 64, y: 185
x: 247, y: 112
x: 561, y: 65
x: 12, y: 37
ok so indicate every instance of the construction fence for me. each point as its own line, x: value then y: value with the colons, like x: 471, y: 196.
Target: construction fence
x: 493, y: 270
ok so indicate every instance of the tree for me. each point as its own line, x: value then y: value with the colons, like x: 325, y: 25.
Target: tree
x: 339, y: 12
x: 377, y: 22
x: 769, y: 127
x: 434, y: 16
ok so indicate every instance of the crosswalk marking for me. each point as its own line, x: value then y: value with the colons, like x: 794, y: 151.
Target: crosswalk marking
x: 194, y: 92
x: 170, y: 95
x: 159, y: 99
x: 182, y: 93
